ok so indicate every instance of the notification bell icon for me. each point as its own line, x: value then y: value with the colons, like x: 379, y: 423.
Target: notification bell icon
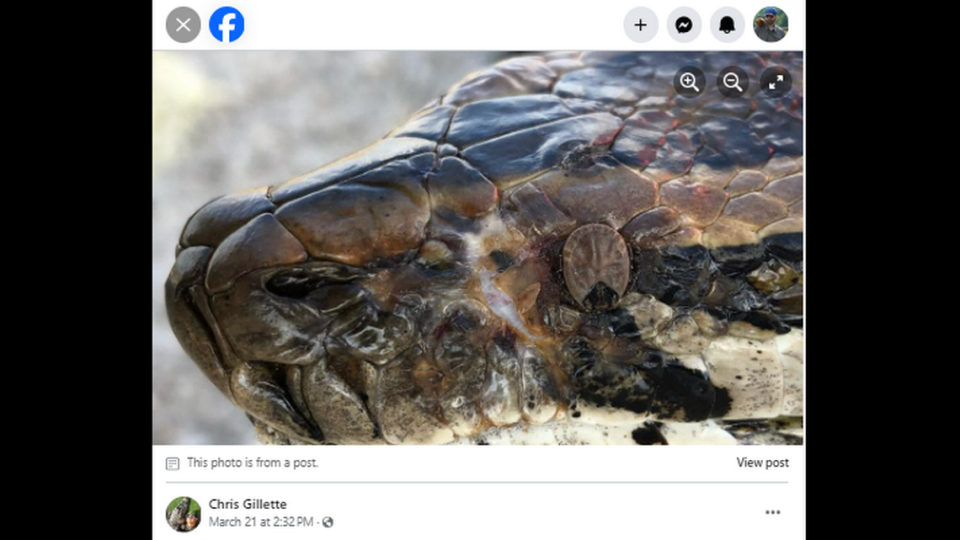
x: 726, y: 25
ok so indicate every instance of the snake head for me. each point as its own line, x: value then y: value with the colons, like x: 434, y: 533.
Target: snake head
x: 511, y: 258
x: 282, y: 295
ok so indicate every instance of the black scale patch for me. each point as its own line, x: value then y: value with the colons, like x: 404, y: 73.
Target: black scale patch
x: 656, y: 383
x: 649, y: 434
x: 717, y: 280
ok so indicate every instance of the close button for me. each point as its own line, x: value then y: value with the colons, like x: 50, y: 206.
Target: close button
x: 183, y: 25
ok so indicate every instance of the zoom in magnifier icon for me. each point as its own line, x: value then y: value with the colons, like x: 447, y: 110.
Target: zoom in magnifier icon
x: 733, y: 82
x: 689, y: 81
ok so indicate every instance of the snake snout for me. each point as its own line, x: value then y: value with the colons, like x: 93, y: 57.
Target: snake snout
x: 188, y: 310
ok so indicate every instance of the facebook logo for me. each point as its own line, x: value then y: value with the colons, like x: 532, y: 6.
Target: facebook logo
x: 226, y: 24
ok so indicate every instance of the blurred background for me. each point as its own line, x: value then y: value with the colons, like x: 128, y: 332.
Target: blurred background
x: 228, y: 121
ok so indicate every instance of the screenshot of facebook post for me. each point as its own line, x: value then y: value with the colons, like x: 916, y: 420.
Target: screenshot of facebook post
x: 451, y: 270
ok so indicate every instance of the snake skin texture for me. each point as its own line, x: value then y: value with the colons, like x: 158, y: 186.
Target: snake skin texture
x: 559, y: 250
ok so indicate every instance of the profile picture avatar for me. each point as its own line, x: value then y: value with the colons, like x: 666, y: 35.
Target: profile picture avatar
x: 183, y: 514
x: 770, y: 24
x: 226, y: 24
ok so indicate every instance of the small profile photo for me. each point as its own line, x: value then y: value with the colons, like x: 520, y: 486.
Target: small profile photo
x: 183, y: 514
x: 771, y: 24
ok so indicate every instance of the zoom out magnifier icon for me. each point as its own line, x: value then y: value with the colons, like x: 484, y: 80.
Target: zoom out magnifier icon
x: 732, y: 80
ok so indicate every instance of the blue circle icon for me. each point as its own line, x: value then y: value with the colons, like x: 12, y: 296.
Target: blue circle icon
x: 226, y: 24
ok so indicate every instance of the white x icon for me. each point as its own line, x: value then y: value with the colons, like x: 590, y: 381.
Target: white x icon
x: 183, y: 24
